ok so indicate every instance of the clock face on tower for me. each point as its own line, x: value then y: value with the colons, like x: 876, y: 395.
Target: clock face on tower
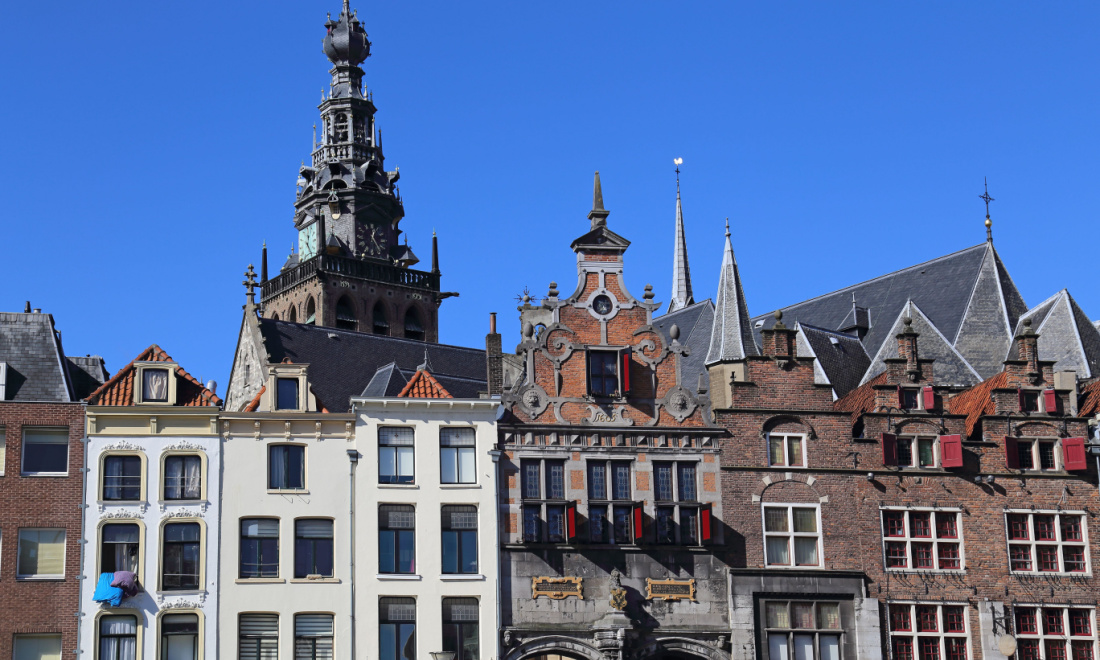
x: 307, y: 242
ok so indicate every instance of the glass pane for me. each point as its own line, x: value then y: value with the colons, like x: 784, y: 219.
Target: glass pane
x: 531, y: 488
x: 406, y: 551
x: 805, y: 520
x: 597, y: 481
x: 404, y: 465
x: 776, y: 615
x: 387, y: 641
x: 778, y: 551
x: 450, y: 552
x: 555, y: 481
x: 37, y: 647
x: 803, y: 615
x: 775, y: 450
x: 803, y: 647
x: 828, y: 616
x: 664, y: 482
x: 448, y: 465
x: 386, y: 548
x: 154, y: 385
x: 179, y: 647
x: 456, y: 437
x: 395, y: 435
x: 777, y: 646
x: 387, y: 465
x: 687, y: 482
x: 621, y: 472
x: 775, y: 520
x: 795, y: 444
x: 466, y: 466
x: 805, y: 551
x: 926, y: 451
x: 287, y: 394
x: 830, y: 647
x: 468, y: 548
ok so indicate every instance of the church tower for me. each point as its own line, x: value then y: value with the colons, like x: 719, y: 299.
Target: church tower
x: 351, y: 269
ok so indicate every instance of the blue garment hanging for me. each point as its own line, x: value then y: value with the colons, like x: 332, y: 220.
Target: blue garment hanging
x: 105, y: 593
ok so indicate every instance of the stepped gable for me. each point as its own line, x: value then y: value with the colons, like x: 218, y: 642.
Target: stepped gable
x: 695, y: 322
x: 1066, y: 335
x: 951, y: 368
x: 119, y: 389
x: 423, y: 386
x: 977, y: 401
x: 840, y: 358
x: 342, y: 363
x: 36, y: 362
x: 861, y: 399
x: 967, y: 295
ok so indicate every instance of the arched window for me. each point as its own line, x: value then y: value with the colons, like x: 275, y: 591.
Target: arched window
x: 311, y: 311
x: 341, y: 127
x: 414, y: 329
x: 275, y: 316
x: 345, y: 315
x: 293, y: 317
x: 380, y: 325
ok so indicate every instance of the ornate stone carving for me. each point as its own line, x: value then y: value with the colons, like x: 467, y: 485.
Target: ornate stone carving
x: 597, y: 416
x: 618, y: 594
x: 122, y: 445
x: 184, y: 445
x: 183, y: 513
x: 670, y: 589
x: 557, y: 588
x: 124, y: 514
x: 679, y: 403
x: 533, y: 400
x: 182, y: 603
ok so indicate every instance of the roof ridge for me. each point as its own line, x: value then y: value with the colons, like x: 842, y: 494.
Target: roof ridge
x: 432, y: 387
x: 380, y: 337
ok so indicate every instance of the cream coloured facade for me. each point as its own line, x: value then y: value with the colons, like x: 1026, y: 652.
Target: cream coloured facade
x: 427, y: 466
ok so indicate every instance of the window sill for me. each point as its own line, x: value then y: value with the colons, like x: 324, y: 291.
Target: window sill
x: 923, y: 571
x: 400, y: 486
x: 794, y: 568
x: 44, y: 474
x: 40, y: 578
x: 119, y: 502
x: 259, y: 581
x: 460, y: 486
x: 397, y: 577
x: 1079, y: 574
x: 183, y: 592
x: 194, y: 502
x: 466, y: 577
x: 287, y: 491
x: 317, y: 581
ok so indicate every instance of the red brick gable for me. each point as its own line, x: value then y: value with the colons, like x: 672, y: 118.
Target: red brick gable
x: 977, y: 401
x: 862, y: 399
x: 119, y: 390
x: 423, y: 386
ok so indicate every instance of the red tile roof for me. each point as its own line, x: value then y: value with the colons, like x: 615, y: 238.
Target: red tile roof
x: 1089, y: 402
x: 977, y: 401
x: 119, y: 390
x: 423, y: 386
x: 860, y: 400
x: 254, y: 404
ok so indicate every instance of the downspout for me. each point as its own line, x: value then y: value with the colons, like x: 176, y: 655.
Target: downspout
x: 496, y: 543
x: 353, y: 458
x: 81, y: 578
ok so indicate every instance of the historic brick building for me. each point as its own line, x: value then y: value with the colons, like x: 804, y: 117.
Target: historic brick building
x: 609, y: 481
x: 41, y: 461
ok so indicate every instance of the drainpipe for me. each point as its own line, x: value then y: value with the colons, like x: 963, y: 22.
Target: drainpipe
x: 81, y: 578
x: 496, y: 543
x: 353, y: 458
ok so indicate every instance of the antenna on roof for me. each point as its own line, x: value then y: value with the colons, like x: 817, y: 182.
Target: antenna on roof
x: 988, y: 223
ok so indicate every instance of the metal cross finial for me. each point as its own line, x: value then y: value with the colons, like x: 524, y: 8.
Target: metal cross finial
x: 985, y: 197
x: 250, y: 284
x: 678, y: 162
x: 727, y: 227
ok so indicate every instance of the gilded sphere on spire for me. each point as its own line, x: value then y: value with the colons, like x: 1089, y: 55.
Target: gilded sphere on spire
x: 988, y: 222
x: 346, y: 41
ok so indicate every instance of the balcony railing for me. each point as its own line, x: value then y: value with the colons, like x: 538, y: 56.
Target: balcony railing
x: 365, y: 270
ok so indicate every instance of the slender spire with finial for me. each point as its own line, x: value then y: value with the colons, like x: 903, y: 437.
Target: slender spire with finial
x: 435, y: 253
x: 681, y: 273
x: 988, y: 223
x: 250, y: 284
x: 731, y: 335
x: 263, y: 265
x: 598, y: 214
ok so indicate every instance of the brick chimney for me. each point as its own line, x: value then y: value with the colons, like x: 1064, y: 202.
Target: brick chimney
x: 778, y: 340
x: 494, y: 359
x: 1027, y: 350
x: 907, y: 349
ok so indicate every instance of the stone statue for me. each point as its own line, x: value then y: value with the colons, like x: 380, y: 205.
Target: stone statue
x: 618, y: 594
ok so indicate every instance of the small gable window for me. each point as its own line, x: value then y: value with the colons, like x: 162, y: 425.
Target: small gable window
x: 154, y: 385
x: 603, y: 373
x: 908, y: 397
x: 287, y: 394
x: 1029, y: 401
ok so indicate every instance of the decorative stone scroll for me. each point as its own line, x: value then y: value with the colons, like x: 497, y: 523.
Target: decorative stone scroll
x: 557, y: 588
x: 670, y: 589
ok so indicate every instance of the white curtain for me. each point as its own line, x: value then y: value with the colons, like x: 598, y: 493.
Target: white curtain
x: 405, y: 461
x: 192, y: 478
x: 278, y: 467
x: 118, y: 638
x: 173, y: 479
x: 124, y: 560
x: 156, y: 385
x: 112, y: 483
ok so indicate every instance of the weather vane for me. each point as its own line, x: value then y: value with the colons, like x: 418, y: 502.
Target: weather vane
x: 678, y: 162
x: 524, y: 297
x: 987, y: 199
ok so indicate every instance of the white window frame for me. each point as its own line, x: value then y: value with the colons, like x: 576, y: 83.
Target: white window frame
x: 396, y: 457
x: 1032, y: 543
x: 941, y: 634
x: 787, y: 449
x: 23, y: 452
x: 1068, y: 637
x: 791, y: 534
x: 908, y: 539
x: 42, y: 576
x: 914, y: 451
x: 457, y: 449
x: 792, y: 631
x: 1036, y: 457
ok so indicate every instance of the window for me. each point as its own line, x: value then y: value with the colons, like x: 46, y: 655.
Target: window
x: 118, y: 548
x: 909, y: 397
x: 396, y: 538
x: 122, y: 478
x: 286, y: 467
x: 180, y: 560
x: 379, y: 324
x: 928, y: 632
x: 345, y: 315
x: 603, y: 373
x: 286, y: 394
x: 37, y: 647
x: 459, y: 539
x: 1037, y: 454
x: 543, y: 486
x: 258, y: 637
x: 786, y: 450
x: 259, y: 548
x: 791, y: 532
x: 45, y: 451
x: 1055, y: 633
x: 456, y: 456
x: 1046, y: 542
x: 922, y: 540
x: 179, y: 637
x: 609, y: 502
x: 154, y: 385
x: 917, y: 451
x: 811, y: 630
x: 312, y: 637
x: 1029, y: 401
x: 118, y: 637
x: 414, y: 329
x: 677, y: 506
x: 460, y: 634
x: 395, y: 455
x: 41, y: 554
x: 3, y: 447
x: 313, y: 548
x: 397, y: 629
x: 183, y: 477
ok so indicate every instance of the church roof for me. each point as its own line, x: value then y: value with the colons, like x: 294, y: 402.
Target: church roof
x: 681, y: 271
x: 423, y: 386
x: 731, y: 336
x: 949, y: 368
x: 119, y: 389
x: 695, y: 322
x: 1066, y: 335
x: 344, y: 363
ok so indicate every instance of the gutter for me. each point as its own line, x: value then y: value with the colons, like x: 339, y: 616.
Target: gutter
x: 353, y: 459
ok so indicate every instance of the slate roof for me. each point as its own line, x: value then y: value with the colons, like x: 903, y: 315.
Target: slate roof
x: 949, y: 368
x: 967, y: 295
x: 731, y: 336
x: 681, y: 271
x: 1066, y: 335
x: 86, y: 374
x: 119, y: 389
x: 342, y: 363
x: 423, y: 386
x: 841, y: 359
x: 977, y: 401
x: 695, y: 323
x: 37, y: 369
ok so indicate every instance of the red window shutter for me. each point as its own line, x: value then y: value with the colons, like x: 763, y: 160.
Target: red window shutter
x: 626, y: 371
x: 1012, y: 455
x: 588, y: 372
x: 1073, y: 454
x: 951, y: 451
x: 571, y: 521
x: 704, y: 523
x: 1050, y: 401
x: 889, y: 449
x: 901, y: 399
x: 638, y: 522
x: 929, y: 398
x: 1020, y: 396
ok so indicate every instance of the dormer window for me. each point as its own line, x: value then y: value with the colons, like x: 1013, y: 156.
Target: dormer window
x: 155, y: 383
x: 287, y: 394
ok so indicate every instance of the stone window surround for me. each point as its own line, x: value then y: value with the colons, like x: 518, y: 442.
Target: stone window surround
x: 139, y: 380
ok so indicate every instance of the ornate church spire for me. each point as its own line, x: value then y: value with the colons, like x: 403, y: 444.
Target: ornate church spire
x: 598, y: 214
x: 731, y: 335
x: 681, y: 272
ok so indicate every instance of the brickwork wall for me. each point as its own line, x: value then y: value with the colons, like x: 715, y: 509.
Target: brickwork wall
x: 40, y: 606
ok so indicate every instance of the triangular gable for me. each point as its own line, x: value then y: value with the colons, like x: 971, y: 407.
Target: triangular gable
x: 602, y: 238
x: 840, y: 359
x: 949, y: 368
x: 1066, y: 336
x: 985, y: 334
x: 119, y: 389
x: 423, y: 386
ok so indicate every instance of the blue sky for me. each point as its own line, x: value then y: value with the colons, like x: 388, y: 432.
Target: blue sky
x: 149, y: 148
